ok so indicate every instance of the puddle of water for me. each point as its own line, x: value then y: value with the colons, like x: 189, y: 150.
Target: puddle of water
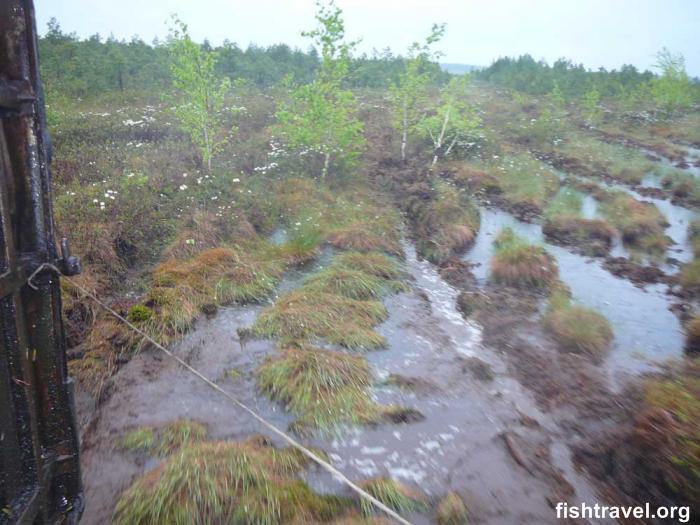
x: 459, y: 444
x: 646, y: 331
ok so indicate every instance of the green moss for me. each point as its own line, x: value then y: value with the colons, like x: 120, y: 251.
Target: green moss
x: 323, y: 387
x: 393, y: 494
x: 226, y: 482
x: 139, y: 313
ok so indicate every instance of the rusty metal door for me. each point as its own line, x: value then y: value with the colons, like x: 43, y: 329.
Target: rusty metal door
x: 39, y: 463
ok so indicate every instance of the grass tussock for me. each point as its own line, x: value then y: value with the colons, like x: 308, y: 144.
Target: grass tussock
x: 324, y: 388
x: 576, y: 328
x: 217, y: 276
x: 337, y: 304
x: 564, y: 225
x: 692, y: 335
x: 521, y: 264
x: 360, y: 237
x: 393, y: 494
x: 669, y: 433
x: 165, y: 440
x: 641, y: 224
x: 444, y: 225
x: 308, y: 315
x: 227, y: 482
x: 452, y: 510
x: 690, y: 276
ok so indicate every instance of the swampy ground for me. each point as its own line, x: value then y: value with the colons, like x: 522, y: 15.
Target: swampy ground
x: 472, y: 342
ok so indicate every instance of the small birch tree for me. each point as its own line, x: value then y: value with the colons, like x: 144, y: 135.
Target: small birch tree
x: 673, y: 90
x: 321, y: 116
x: 410, y: 93
x: 200, y: 94
x: 454, y: 124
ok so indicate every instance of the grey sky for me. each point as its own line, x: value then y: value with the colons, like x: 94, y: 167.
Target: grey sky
x: 595, y: 32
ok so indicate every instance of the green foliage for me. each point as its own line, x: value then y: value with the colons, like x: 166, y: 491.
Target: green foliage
x: 567, y: 203
x: 590, y: 106
x: 320, y: 116
x: 141, y: 438
x: 454, y: 124
x: 672, y: 91
x: 409, y: 94
x: 200, y: 99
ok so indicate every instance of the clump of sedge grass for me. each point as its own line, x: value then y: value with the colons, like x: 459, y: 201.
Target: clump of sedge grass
x: 323, y: 387
x: 227, y: 482
x: 640, y: 223
x: 393, y: 494
x: 141, y: 438
x: 690, y: 276
x: 669, y: 430
x: 692, y: 335
x: 353, y: 284
x: 521, y: 264
x: 576, y: 328
x: 565, y: 225
x: 451, y: 510
x: 308, y: 315
x: 217, y: 276
x: 445, y: 225
x: 360, y: 236
x: 375, y: 264
x: 165, y: 440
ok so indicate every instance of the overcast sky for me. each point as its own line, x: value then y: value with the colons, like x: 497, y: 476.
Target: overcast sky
x: 596, y: 33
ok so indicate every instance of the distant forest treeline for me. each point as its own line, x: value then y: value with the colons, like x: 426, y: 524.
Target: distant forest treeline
x: 538, y: 78
x: 85, y: 67
x: 81, y: 68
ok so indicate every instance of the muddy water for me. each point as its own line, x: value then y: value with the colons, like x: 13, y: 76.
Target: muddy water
x: 646, y: 331
x: 458, y: 446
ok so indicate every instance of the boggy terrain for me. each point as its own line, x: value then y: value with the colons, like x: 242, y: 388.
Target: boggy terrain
x: 472, y: 337
x: 417, y: 333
